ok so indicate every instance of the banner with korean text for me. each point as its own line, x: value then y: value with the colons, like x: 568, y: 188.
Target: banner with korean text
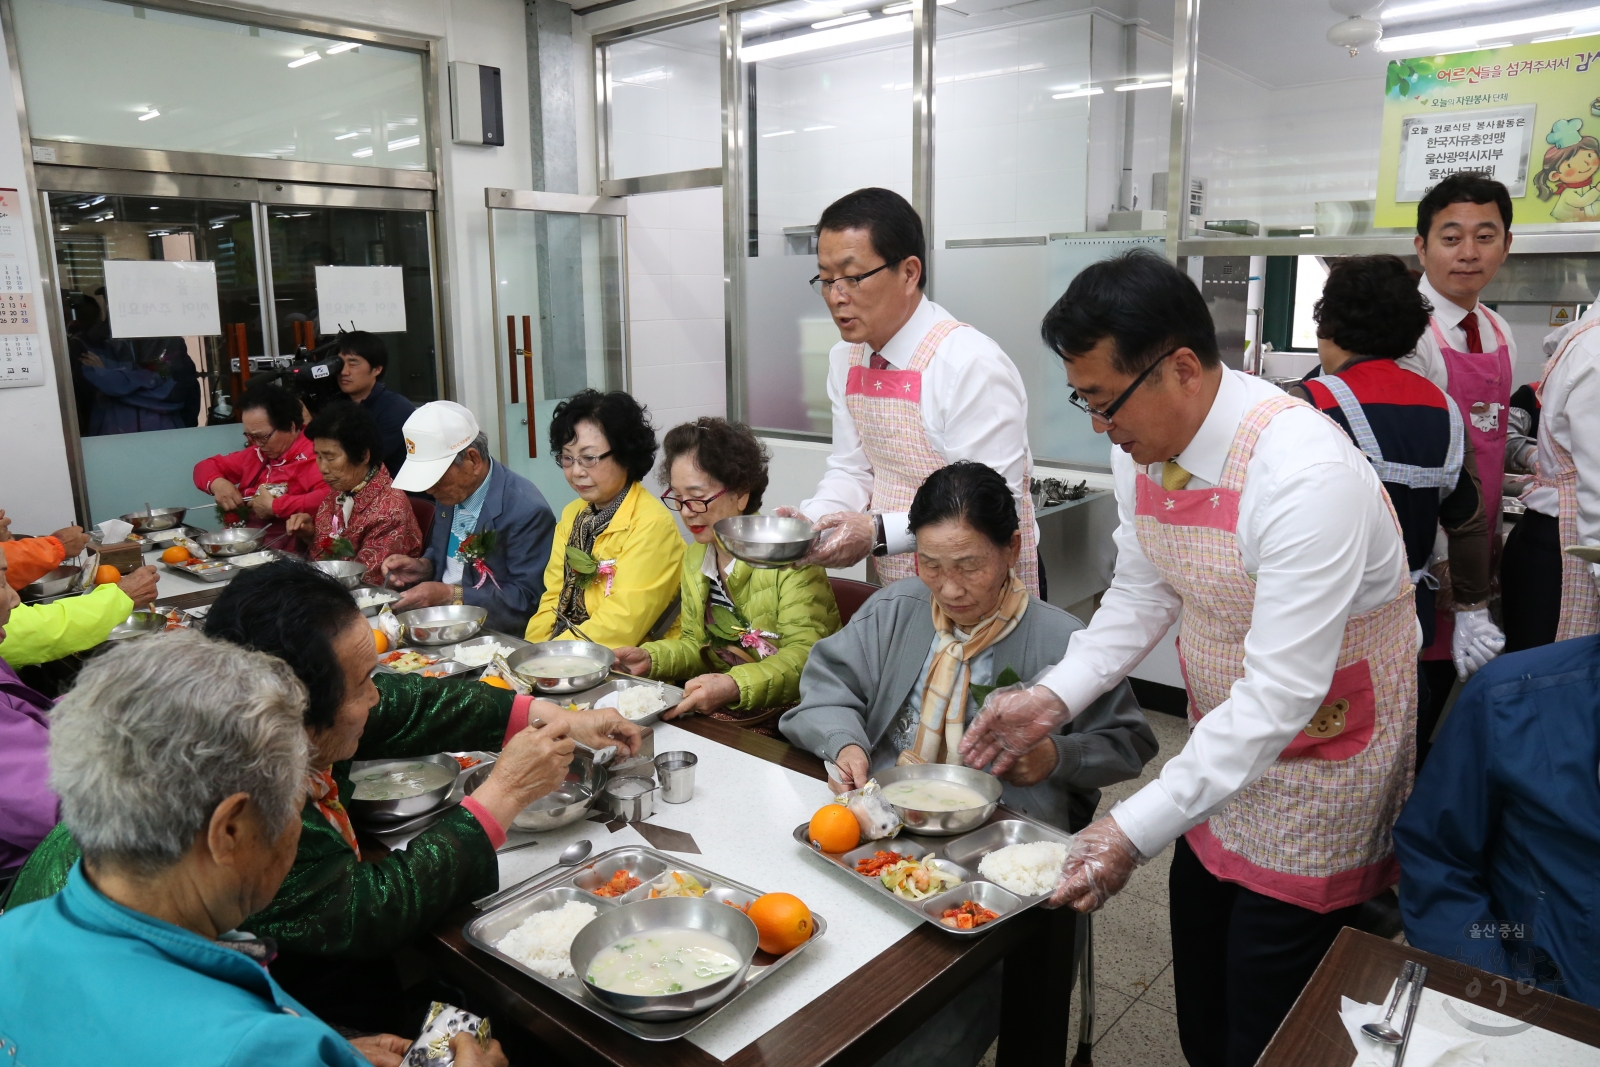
x: 1525, y: 115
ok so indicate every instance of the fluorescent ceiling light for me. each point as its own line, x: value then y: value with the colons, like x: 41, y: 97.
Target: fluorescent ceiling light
x: 347, y: 136
x: 780, y: 133
x: 1585, y: 32
x: 810, y: 42
x: 151, y: 114
x: 342, y: 46
x: 1463, y: 36
x: 96, y: 200
x: 814, y: 129
x: 1076, y: 93
x: 843, y: 20
x: 362, y: 153
x: 404, y: 142
x: 1131, y: 86
x: 311, y: 57
x: 1431, y: 7
x: 898, y: 9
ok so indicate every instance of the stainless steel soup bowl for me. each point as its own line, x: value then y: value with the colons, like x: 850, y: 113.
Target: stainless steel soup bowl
x: 238, y: 541
x: 765, y: 541
x: 526, y: 663
x: 442, y: 625
x: 347, y: 572
x: 666, y: 913
x: 144, y: 522
x: 386, y: 811
x: 943, y: 823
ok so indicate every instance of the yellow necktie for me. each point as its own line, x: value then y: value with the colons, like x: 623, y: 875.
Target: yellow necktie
x: 1173, y: 477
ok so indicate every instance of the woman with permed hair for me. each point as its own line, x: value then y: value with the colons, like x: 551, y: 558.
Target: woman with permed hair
x: 746, y: 633
x: 613, y: 570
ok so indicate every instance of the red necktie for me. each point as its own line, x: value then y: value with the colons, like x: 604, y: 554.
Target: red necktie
x: 879, y: 363
x: 1470, y: 325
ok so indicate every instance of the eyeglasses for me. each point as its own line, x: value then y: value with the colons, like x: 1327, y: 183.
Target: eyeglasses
x: 586, y: 462
x: 1112, y: 408
x: 258, y: 439
x: 847, y: 283
x: 689, y: 504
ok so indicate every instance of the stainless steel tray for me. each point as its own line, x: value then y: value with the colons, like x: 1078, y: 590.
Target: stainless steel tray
x: 433, y: 654
x: 958, y: 856
x: 647, y: 865
x: 211, y: 574
x: 372, y: 611
x: 670, y: 693
x: 504, y: 640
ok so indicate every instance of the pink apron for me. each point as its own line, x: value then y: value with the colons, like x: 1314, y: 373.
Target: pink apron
x: 1580, y: 599
x: 887, y: 408
x: 1314, y: 829
x: 1480, y: 384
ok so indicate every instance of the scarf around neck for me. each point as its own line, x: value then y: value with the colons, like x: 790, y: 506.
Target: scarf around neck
x: 590, y: 524
x: 943, y: 720
x: 325, y: 794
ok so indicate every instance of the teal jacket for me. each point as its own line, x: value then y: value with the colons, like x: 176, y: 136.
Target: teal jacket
x: 90, y: 981
x: 795, y: 603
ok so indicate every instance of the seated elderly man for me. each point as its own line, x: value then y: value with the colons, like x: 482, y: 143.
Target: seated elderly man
x: 1499, y: 844
x: 31, y: 558
x: 899, y: 683
x: 491, y: 537
x: 335, y: 906
x: 180, y: 763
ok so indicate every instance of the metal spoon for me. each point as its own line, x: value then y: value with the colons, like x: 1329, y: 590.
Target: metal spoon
x: 1383, y: 1031
x: 573, y: 853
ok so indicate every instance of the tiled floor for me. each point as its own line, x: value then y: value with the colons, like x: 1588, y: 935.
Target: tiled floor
x: 1135, y: 1025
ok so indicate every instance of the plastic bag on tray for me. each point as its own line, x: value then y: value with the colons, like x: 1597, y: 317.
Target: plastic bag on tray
x: 872, y: 810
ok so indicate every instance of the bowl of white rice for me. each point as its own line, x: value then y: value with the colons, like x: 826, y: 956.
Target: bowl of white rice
x: 543, y: 940
x: 635, y: 702
x: 1030, y: 869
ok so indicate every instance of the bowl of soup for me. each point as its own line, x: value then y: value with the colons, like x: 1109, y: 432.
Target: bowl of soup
x: 395, y: 789
x: 940, y: 798
x: 666, y: 958
x: 563, y: 666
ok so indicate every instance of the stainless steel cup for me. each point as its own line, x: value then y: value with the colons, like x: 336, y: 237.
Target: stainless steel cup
x: 675, y: 772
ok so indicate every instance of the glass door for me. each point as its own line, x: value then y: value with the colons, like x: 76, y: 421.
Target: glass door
x: 560, y: 300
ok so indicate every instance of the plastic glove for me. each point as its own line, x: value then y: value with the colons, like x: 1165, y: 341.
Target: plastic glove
x: 846, y: 538
x: 1476, y: 641
x: 1013, y: 720
x: 1099, y: 863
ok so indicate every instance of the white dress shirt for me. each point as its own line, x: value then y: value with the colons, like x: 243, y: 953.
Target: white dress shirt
x: 973, y: 407
x: 1574, y: 386
x: 1428, y: 361
x: 1315, y: 531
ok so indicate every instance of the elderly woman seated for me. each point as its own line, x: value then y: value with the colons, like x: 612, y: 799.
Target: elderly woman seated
x: 746, y: 633
x: 613, y: 569
x: 180, y: 763
x: 901, y: 682
x: 363, y: 517
x: 335, y: 906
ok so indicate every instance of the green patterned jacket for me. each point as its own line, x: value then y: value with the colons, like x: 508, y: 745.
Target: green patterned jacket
x: 331, y: 904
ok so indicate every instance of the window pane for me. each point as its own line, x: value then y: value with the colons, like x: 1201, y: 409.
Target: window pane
x: 666, y: 101
x: 114, y: 74
x: 829, y: 111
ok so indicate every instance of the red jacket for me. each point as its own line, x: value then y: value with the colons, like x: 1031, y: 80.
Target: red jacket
x: 381, y: 525
x: 245, y: 468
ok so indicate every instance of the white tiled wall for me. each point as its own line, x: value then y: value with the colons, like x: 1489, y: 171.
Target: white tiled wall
x: 675, y: 304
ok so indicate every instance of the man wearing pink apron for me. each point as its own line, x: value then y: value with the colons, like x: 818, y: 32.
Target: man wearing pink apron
x: 1463, y: 236
x: 1549, y: 594
x: 912, y: 390
x: 1250, y: 515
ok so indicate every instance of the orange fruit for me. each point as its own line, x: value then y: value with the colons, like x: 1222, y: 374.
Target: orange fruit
x: 107, y: 575
x: 782, y: 920
x: 496, y: 681
x: 834, y: 828
x: 175, y: 554
x: 381, y: 641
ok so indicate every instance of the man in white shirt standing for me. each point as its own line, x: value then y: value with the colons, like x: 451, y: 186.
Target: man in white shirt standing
x: 1255, y: 518
x: 1548, y: 595
x: 912, y: 389
x: 1463, y: 236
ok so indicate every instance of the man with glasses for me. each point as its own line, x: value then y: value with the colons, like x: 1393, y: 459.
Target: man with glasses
x: 1252, y: 516
x: 912, y: 390
x: 491, y: 534
x: 275, y: 475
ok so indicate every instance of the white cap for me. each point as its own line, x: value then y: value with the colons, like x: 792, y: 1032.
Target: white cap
x: 435, y: 434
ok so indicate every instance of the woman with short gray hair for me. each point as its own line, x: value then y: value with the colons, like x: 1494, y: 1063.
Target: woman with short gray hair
x: 181, y: 763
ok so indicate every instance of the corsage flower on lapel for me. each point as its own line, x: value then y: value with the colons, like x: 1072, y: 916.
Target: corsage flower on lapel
x: 474, y: 553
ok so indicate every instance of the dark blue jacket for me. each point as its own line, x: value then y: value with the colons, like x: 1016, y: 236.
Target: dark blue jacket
x: 516, y: 510
x: 390, y: 411
x: 1504, y: 823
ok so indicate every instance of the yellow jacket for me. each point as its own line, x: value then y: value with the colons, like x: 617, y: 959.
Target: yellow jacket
x: 644, y: 541
x: 44, y: 632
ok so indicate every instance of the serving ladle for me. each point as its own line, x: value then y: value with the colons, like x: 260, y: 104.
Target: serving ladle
x: 1383, y: 1031
x: 573, y: 853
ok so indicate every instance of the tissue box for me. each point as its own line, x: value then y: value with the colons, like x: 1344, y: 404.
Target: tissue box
x: 126, y: 556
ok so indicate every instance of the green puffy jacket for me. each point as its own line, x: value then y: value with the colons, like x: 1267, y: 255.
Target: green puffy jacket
x: 797, y: 605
